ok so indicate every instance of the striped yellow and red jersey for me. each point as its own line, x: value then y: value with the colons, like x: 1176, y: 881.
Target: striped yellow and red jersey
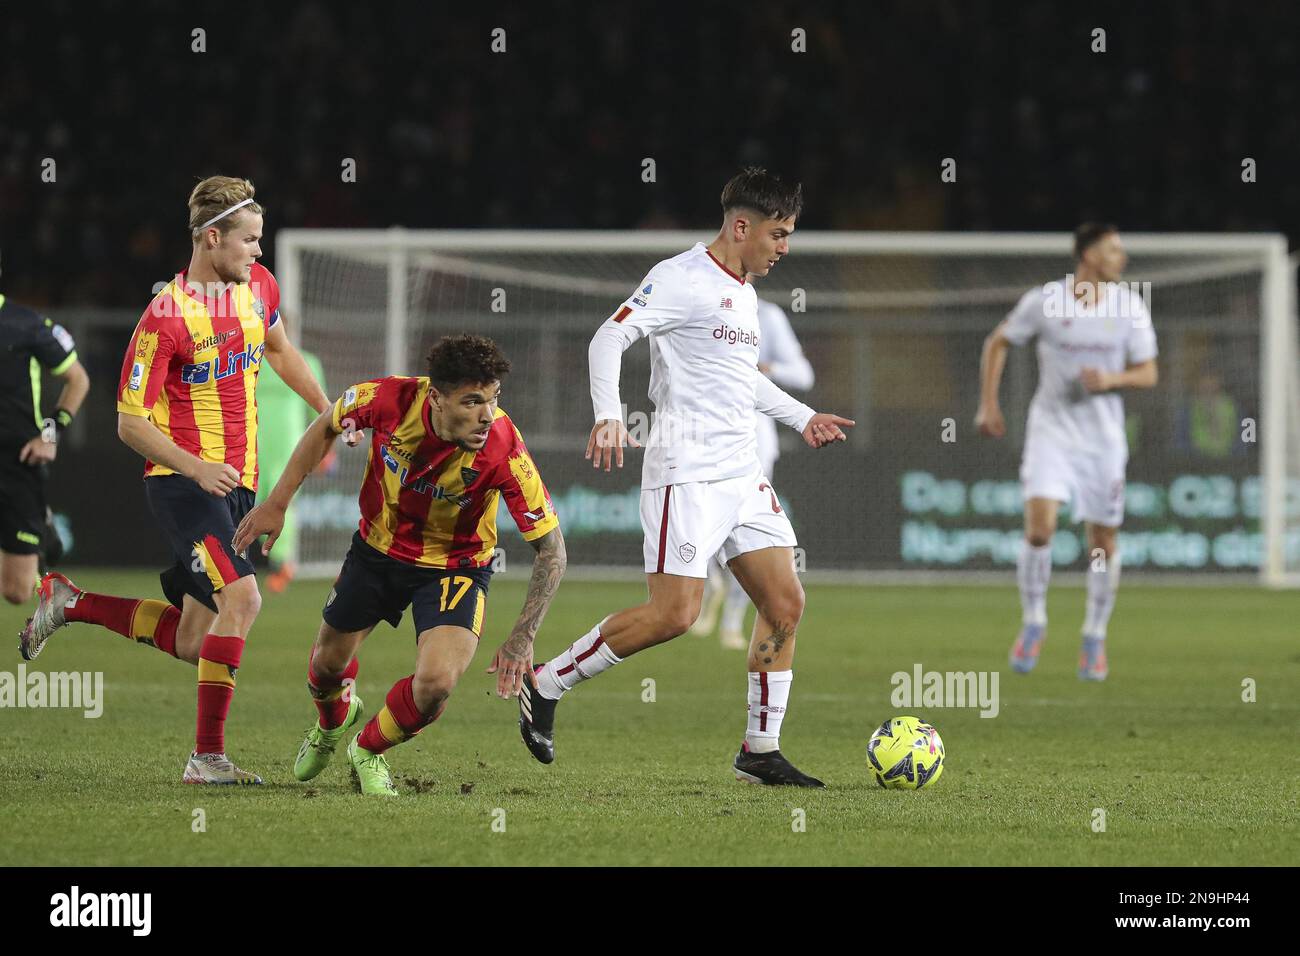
x: 192, y: 368
x: 430, y: 502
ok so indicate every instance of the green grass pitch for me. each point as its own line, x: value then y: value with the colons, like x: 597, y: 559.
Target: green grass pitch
x: 1185, y: 770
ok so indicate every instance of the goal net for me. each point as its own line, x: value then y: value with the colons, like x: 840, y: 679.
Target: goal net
x: 893, y: 325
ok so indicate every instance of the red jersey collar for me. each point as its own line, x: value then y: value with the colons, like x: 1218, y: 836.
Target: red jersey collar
x: 716, y: 262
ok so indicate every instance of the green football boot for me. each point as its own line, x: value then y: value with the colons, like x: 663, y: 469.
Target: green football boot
x: 371, y: 771
x: 318, y: 746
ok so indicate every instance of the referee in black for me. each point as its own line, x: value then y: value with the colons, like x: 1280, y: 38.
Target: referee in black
x: 30, y: 343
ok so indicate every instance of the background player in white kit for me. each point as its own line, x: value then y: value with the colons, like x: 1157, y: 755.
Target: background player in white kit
x: 782, y: 360
x: 1094, y: 338
x: 702, y: 491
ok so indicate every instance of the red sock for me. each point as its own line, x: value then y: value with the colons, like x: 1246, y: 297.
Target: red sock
x: 218, y: 660
x: 144, y: 621
x: 331, y: 695
x: 399, y: 720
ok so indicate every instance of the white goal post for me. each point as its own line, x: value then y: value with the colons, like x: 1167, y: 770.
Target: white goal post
x: 891, y: 323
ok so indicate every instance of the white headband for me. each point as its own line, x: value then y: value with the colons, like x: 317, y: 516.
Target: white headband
x: 223, y: 215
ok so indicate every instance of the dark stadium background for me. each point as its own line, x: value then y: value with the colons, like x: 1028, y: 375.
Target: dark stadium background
x: 1150, y: 134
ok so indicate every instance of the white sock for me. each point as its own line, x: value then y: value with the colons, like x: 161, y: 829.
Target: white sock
x: 733, y: 612
x: 1033, y: 572
x: 586, y: 657
x: 768, y: 693
x: 1102, y: 586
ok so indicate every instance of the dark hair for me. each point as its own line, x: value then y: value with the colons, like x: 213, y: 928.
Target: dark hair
x: 755, y: 188
x: 465, y: 359
x: 1088, y: 234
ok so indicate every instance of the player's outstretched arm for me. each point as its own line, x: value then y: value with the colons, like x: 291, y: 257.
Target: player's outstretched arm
x: 993, y: 359
x: 267, y: 518
x: 297, y: 374
x: 513, y: 663
x: 824, y: 428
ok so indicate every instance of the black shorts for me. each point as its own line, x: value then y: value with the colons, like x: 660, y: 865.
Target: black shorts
x: 373, y: 587
x: 200, y: 528
x: 22, y: 505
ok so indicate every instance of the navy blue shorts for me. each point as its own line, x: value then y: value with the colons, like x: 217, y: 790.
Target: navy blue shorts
x: 373, y: 587
x: 199, y: 527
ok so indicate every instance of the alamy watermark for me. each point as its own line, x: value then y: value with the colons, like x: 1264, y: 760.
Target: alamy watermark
x: 929, y: 689
x: 1103, y: 300
x: 76, y: 690
x: 75, y: 908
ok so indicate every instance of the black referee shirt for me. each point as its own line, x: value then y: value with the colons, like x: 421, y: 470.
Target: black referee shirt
x: 28, y: 343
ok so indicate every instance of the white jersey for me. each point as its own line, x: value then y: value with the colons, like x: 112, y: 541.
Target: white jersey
x: 779, y: 350
x: 702, y: 322
x: 1110, y: 337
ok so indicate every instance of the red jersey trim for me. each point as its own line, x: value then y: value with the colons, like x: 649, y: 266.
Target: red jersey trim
x: 722, y: 267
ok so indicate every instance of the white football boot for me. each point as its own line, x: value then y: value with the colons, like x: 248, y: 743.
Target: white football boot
x: 53, y: 594
x: 216, y: 769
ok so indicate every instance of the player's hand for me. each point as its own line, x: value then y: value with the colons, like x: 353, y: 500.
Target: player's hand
x: 824, y: 428
x: 990, y: 422
x: 38, y: 451
x: 513, y: 664
x: 265, y: 519
x: 216, y: 477
x: 352, y: 436
x: 1096, y: 380
x: 608, y: 437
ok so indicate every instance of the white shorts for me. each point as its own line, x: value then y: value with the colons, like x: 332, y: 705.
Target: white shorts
x: 686, y: 525
x: 1093, y: 484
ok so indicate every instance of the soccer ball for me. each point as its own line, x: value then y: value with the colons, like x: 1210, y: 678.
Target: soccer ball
x: 906, y: 753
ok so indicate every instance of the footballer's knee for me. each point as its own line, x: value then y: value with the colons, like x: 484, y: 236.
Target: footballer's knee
x: 676, y: 619
x: 15, y: 593
x: 1103, y: 538
x: 333, y: 651
x: 784, y: 604
x: 241, y: 601
x: 1039, y: 537
x: 431, y: 689
x: 329, y: 662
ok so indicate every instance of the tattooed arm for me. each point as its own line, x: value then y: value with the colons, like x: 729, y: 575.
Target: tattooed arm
x: 513, y: 662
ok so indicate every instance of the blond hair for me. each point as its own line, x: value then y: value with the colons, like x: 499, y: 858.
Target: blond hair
x: 215, y: 195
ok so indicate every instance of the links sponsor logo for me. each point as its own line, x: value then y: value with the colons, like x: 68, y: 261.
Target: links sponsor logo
x: 200, y: 373
x: 77, y: 909
x: 74, y: 690
x: 725, y: 333
x: 421, y: 486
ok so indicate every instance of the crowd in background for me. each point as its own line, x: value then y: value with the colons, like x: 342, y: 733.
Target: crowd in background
x: 1045, y: 128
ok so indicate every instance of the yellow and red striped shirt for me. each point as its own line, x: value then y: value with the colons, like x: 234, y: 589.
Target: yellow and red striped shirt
x: 430, y: 502
x: 192, y: 369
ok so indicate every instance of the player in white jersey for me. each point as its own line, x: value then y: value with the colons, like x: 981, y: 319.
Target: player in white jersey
x: 782, y: 360
x: 702, y: 490
x: 1094, y: 338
